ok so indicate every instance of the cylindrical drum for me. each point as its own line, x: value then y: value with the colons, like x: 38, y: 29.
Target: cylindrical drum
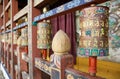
x: 9, y: 38
x: 44, y: 35
x: 15, y: 37
x: 24, y: 35
x: 6, y: 37
x: 94, y: 31
x: 3, y: 38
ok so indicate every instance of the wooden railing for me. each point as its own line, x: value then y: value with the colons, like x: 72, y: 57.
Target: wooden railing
x: 60, y: 65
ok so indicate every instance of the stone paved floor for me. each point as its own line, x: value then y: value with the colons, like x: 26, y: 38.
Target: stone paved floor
x: 1, y: 75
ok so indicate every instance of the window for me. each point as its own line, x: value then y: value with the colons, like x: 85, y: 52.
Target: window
x: 22, y: 4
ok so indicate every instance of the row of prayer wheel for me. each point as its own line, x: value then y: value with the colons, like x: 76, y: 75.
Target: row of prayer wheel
x: 93, y: 39
x: 94, y: 34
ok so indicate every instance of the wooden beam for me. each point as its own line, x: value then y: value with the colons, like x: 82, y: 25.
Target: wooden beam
x: 8, y: 5
x: 20, y: 25
x: 0, y: 1
x: 68, y: 7
x: 2, y: 14
x: 2, y: 27
x: 8, y: 23
x: 21, y: 13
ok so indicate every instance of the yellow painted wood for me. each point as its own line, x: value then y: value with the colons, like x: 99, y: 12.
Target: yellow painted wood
x: 108, y: 70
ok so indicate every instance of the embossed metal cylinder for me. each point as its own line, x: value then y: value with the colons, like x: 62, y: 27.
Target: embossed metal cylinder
x: 6, y: 37
x: 15, y: 37
x: 94, y: 34
x: 44, y: 35
x: 24, y: 34
x: 9, y: 38
x: 94, y: 31
x: 3, y: 38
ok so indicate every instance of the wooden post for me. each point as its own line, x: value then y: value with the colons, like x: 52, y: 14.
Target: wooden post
x: 60, y: 60
x: 14, y: 59
x: 32, y: 41
x: 93, y: 65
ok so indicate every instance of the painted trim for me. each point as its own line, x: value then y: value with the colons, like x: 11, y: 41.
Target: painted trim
x: 20, y: 26
x: 70, y: 5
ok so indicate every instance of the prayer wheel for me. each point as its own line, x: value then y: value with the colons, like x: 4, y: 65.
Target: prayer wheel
x: 15, y: 37
x: 24, y: 34
x: 9, y: 38
x: 44, y: 37
x: 0, y: 37
x: 6, y: 37
x: 94, y: 34
x: 3, y: 38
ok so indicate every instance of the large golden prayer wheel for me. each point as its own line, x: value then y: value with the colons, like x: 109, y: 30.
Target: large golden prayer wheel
x: 94, y: 31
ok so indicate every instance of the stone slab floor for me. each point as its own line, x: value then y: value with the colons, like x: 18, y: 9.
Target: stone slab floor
x: 1, y: 75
